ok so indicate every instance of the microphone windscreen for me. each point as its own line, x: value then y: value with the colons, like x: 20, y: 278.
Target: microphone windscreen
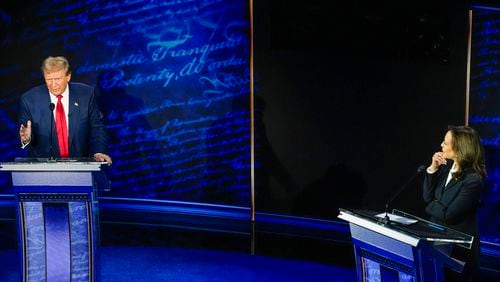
x: 52, y: 106
x: 421, y: 168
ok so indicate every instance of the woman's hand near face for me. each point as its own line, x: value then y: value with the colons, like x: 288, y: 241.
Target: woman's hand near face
x: 437, y: 160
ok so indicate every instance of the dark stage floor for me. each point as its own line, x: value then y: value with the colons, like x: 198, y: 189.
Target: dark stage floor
x: 150, y: 246
x: 160, y: 247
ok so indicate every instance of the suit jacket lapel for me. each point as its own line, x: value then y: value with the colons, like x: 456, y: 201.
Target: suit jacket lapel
x: 452, y: 182
x: 451, y: 191
x: 74, y: 111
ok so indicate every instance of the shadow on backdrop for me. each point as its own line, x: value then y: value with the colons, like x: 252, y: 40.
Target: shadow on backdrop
x: 274, y: 186
x: 339, y: 187
x: 135, y: 158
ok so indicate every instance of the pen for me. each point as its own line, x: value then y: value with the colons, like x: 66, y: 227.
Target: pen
x: 440, y: 228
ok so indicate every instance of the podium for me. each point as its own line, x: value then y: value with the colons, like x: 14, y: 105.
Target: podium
x: 57, y: 218
x: 402, y: 247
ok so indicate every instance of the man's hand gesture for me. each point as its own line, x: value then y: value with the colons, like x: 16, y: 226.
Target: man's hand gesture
x: 25, y: 132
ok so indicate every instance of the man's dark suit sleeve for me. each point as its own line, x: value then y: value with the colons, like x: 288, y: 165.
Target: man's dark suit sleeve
x: 98, y: 135
x: 24, y: 116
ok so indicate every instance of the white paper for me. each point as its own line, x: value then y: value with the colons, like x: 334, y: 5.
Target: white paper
x: 397, y: 218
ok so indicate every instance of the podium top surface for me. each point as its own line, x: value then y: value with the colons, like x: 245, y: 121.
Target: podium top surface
x: 44, y: 164
x: 420, y: 230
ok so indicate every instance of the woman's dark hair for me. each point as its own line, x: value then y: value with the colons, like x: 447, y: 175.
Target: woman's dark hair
x: 470, y: 152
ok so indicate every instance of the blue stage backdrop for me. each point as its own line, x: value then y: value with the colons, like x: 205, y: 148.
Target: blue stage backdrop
x: 485, y: 109
x: 172, y: 78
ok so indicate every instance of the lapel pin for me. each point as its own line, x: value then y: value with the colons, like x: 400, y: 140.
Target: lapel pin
x: 76, y: 104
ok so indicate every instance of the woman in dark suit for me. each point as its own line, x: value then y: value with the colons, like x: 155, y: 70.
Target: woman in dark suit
x: 452, y: 190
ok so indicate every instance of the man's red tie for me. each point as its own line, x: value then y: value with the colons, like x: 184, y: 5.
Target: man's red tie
x: 62, y: 129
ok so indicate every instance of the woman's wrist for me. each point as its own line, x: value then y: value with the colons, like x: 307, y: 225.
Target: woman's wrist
x: 431, y: 169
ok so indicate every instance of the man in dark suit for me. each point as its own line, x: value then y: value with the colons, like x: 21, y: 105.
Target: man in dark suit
x: 75, y: 131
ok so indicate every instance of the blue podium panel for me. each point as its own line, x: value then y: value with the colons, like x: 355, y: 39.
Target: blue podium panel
x: 56, y: 236
x: 58, y: 219
x: 378, y: 255
x: 409, y: 249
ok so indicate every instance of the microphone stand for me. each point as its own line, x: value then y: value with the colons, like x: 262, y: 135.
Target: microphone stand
x: 386, y: 218
x: 51, y: 107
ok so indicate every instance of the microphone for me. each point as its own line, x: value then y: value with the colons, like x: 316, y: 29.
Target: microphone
x: 420, y: 169
x: 51, y: 107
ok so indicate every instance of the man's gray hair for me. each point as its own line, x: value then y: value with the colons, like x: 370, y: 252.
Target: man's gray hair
x: 58, y: 63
